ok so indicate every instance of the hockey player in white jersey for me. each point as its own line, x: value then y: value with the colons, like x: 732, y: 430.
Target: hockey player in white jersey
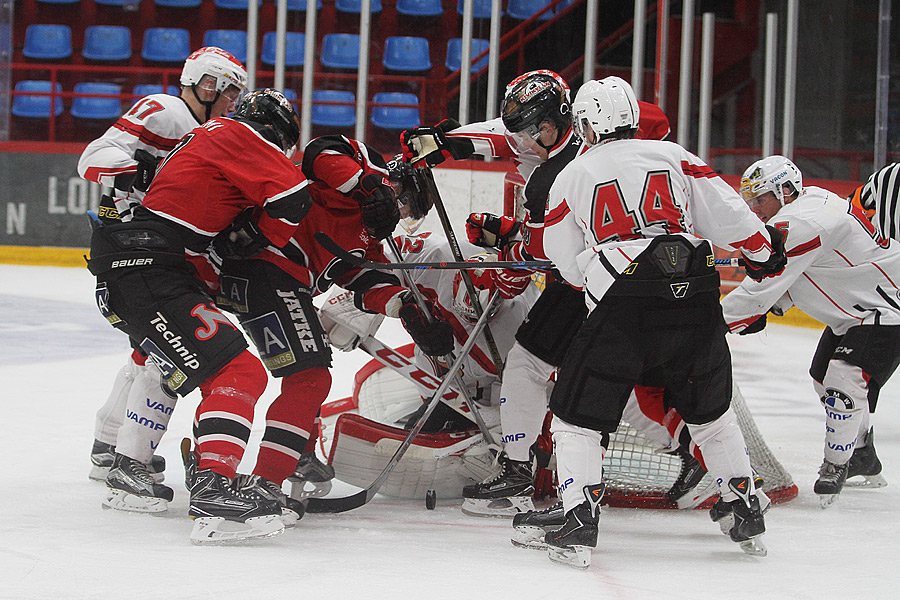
x: 844, y: 273
x: 123, y: 160
x: 628, y: 222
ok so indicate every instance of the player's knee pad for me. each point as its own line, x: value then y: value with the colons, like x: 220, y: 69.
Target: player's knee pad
x: 522, y: 363
x: 244, y: 377
x: 726, y: 426
x: 844, y: 388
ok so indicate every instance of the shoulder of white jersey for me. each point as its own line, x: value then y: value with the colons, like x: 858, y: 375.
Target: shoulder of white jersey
x: 161, y: 120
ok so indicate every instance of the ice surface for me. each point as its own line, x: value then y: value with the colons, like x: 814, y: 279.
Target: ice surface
x: 57, y: 361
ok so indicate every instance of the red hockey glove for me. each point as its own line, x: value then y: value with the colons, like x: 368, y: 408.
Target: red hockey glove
x: 432, y: 145
x: 510, y: 282
x: 491, y: 231
x: 757, y: 271
x: 434, y: 338
x: 380, y: 213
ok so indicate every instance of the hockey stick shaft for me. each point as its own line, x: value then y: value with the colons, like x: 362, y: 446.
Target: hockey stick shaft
x: 333, y: 505
x: 729, y: 262
x: 333, y: 247
x: 457, y: 256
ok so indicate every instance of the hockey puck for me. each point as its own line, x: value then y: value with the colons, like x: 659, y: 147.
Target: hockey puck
x: 430, y: 499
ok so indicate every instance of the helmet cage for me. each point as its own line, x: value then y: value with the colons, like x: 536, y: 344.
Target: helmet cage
x: 481, y: 280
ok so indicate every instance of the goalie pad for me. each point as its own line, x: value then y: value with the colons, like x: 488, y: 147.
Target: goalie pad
x: 443, y: 462
x: 345, y: 324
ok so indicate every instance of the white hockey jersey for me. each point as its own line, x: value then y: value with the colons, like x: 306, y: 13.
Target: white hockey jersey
x: 479, y: 370
x: 606, y: 206
x: 155, y: 124
x: 840, y: 271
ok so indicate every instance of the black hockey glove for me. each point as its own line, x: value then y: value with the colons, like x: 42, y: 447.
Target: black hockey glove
x: 434, y: 338
x: 754, y: 327
x: 146, y: 169
x: 242, y: 240
x: 380, y: 213
x: 491, y: 231
x: 757, y: 271
x: 432, y: 145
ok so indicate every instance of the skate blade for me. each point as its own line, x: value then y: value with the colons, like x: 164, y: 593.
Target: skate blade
x: 867, y: 481
x: 500, y: 507
x: 212, y: 531
x: 754, y: 547
x: 697, y: 495
x: 578, y: 557
x: 301, y: 489
x: 529, y: 537
x: 122, y: 500
x: 827, y: 500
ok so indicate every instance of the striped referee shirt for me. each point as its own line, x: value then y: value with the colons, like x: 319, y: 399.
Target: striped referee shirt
x: 881, y: 193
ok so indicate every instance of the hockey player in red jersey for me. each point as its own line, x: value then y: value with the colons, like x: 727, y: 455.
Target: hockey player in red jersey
x: 124, y: 160
x: 844, y: 273
x: 152, y: 283
x: 623, y: 222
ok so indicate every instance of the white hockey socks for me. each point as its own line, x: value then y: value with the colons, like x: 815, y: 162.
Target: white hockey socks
x: 724, y: 451
x: 579, y: 460
x: 110, y: 415
x: 523, y: 401
x: 147, y: 413
x: 845, y: 399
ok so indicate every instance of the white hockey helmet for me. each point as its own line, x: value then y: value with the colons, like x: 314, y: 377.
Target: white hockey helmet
x: 483, y: 284
x: 771, y: 174
x: 214, y: 69
x: 605, y: 107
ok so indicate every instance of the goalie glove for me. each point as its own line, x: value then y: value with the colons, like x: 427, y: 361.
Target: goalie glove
x: 757, y: 271
x: 380, y: 213
x: 242, y: 240
x: 491, y: 231
x: 434, y: 338
x: 432, y: 145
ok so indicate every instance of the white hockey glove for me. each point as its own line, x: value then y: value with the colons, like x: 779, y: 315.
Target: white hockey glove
x: 345, y: 324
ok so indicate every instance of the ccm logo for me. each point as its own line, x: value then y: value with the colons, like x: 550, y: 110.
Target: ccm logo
x: 132, y: 262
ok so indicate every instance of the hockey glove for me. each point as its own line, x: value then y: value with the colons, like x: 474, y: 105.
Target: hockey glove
x: 491, y: 231
x: 757, y: 271
x: 510, y: 282
x: 242, y: 240
x: 380, y: 213
x: 434, y: 338
x: 432, y: 145
x: 146, y: 169
x: 754, y: 327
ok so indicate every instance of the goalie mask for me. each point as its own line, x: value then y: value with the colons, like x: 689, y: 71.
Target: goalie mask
x: 483, y: 284
x: 771, y: 174
x: 413, y: 193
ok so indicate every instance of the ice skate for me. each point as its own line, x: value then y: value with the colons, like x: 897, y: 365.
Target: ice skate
x: 291, y: 510
x: 103, y: 455
x: 311, y: 479
x: 572, y: 543
x: 722, y: 512
x: 865, y: 468
x: 504, y: 495
x: 531, y: 526
x: 190, y: 460
x: 690, y: 488
x: 132, y: 488
x: 746, y: 517
x: 224, y: 514
x: 830, y: 483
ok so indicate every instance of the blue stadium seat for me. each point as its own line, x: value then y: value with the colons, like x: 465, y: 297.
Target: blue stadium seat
x: 178, y: 3
x: 481, y: 9
x: 420, y: 8
x: 301, y: 5
x: 145, y: 89
x: 233, y: 41
x: 60, y: 1
x: 395, y: 117
x: 97, y: 108
x: 405, y: 53
x: 102, y: 42
x: 233, y: 4
x: 48, y: 42
x: 454, y: 54
x: 523, y: 9
x: 333, y: 115
x: 355, y: 6
x: 294, y: 48
x: 340, y: 50
x: 163, y: 44
x: 35, y: 106
x: 118, y: 2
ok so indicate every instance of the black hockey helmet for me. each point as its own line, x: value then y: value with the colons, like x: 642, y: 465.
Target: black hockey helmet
x: 273, y: 116
x: 414, y: 192
x: 534, y: 98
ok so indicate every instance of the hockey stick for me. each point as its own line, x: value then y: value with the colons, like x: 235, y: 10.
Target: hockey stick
x: 357, y: 261
x: 335, y: 505
x: 457, y: 255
